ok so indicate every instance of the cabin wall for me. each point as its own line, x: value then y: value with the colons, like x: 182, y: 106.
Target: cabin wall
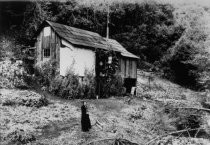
x: 128, y: 67
x: 76, y: 59
x: 51, y: 41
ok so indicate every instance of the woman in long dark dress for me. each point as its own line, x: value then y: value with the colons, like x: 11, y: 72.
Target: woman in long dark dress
x: 85, y: 120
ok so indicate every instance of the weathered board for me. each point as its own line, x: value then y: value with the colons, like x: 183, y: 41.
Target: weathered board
x: 128, y: 67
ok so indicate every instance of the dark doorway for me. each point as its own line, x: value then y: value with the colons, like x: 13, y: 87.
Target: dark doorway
x: 129, y: 83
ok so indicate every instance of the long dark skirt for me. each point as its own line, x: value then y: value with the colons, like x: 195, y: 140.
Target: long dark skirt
x: 85, y: 121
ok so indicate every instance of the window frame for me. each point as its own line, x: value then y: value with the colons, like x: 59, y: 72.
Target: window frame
x: 46, y: 53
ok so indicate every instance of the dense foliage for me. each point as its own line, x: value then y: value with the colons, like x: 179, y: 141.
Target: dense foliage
x: 70, y: 87
x: 150, y: 25
x: 171, y: 38
x: 187, y: 62
x: 73, y: 87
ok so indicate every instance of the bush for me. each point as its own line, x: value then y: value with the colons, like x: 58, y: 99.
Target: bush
x: 19, y: 136
x: 42, y: 101
x: 45, y: 72
x: 136, y: 114
x: 8, y: 103
x: 88, y: 88
x: 185, y: 119
x: 24, y: 98
x: 12, y: 74
x: 70, y: 86
x: 114, y: 86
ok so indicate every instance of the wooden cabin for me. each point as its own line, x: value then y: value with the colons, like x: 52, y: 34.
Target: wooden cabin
x: 75, y: 49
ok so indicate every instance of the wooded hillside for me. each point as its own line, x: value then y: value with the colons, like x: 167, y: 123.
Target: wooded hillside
x: 170, y: 38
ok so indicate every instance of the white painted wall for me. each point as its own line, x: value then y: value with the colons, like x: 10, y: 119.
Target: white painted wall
x: 76, y: 59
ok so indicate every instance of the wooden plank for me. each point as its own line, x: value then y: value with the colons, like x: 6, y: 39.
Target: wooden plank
x: 52, y: 45
x: 46, y: 42
x: 57, y: 46
x: 41, y: 46
x: 130, y: 68
x: 134, y: 68
x: 37, y: 49
x: 122, y: 67
x: 127, y: 68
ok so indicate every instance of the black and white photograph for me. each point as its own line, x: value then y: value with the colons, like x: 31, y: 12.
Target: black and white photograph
x: 104, y: 72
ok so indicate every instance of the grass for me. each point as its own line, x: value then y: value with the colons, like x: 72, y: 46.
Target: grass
x: 138, y: 120
x: 60, y: 121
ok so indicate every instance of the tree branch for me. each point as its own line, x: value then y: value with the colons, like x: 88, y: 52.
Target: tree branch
x: 175, y: 132
x: 203, y: 109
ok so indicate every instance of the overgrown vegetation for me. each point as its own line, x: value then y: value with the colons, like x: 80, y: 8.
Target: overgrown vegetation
x: 12, y: 74
x: 110, y: 83
x: 114, y: 86
x: 172, y: 39
x: 22, y: 122
x: 19, y: 136
x: 70, y: 86
x: 28, y: 98
x: 45, y: 72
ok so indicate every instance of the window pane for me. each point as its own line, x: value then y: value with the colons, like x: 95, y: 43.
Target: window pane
x: 46, y: 52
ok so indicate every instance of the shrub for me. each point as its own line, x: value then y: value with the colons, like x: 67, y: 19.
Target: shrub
x: 185, y: 119
x: 34, y: 102
x: 87, y: 87
x: 70, y: 86
x: 24, y: 98
x: 136, y: 114
x: 12, y: 74
x: 19, y: 136
x: 114, y: 86
x: 45, y: 72
x: 56, y: 85
x: 8, y: 103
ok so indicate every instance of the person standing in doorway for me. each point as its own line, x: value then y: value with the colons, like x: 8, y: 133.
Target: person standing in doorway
x: 85, y: 119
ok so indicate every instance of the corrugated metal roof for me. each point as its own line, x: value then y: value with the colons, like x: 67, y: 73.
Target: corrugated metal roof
x: 87, y: 38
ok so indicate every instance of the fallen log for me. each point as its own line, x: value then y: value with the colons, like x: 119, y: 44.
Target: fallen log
x: 118, y: 141
x: 171, y: 133
x: 203, y: 109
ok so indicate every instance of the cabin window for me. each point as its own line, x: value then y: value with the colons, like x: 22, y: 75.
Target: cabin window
x: 46, y: 42
x: 46, y: 53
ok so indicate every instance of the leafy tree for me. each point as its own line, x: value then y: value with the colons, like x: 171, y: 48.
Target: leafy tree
x: 175, y: 38
x: 185, y: 59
